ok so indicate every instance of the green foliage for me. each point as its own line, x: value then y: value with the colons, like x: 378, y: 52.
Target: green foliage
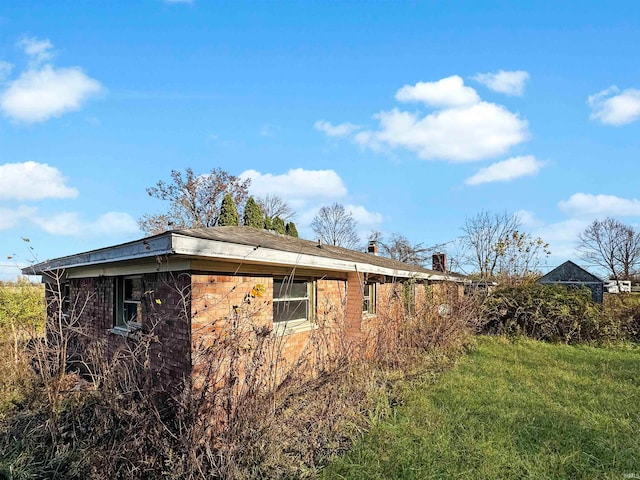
x: 228, y: 212
x: 278, y: 225
x: 21, y: 308
x: 291, y: 230
x: 252, y: 215
x: 546, y: 312
x: 621, y: 315
x: 268, y: 223
x: 22, y: 318
x: 511, y: 410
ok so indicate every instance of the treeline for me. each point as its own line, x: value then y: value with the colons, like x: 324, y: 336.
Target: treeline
x: 214, y: 199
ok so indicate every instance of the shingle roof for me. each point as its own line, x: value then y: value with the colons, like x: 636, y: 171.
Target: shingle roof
x: 246, y: 245
x: 271, y: 239
x: 569, y: 272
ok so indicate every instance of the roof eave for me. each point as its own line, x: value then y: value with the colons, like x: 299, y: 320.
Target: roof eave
x: 192, y: 246
x: 172, y: 243
x: 160, y: 245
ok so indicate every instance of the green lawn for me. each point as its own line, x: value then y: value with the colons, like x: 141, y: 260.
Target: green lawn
x: 512, y: 409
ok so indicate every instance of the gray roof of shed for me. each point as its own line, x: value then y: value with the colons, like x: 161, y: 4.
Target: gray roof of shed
x: 569, y: 272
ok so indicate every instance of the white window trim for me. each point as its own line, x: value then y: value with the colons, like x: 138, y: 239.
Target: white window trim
x: 373, y: 293
x: 293, y: 326
x: 124, y: 328
x: 298, y: 325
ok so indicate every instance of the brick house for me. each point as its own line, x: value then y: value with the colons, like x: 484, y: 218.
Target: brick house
x: 197, y: 288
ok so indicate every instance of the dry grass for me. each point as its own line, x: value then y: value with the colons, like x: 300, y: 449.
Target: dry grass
x: 243, y: 419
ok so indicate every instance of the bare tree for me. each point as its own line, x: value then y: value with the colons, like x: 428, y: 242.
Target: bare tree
x: 496, y: 246
x: 194, y: 200
x: 519, y: 256
x: 400, y: 248
x: 334, y: 225
x: 273, y: 206
x: 613, y: 246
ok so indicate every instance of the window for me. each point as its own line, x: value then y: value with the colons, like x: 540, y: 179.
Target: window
x: 292, y: 305
x: 369, y: 298
x: 129, y: 292
x: 65, y: 293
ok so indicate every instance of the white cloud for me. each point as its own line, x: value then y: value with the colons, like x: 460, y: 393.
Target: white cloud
x: 528, y: 219
x: 447, y: 92
x: 72, y: 224
x: 340, y: 130
x: 33, y: 181
x: 509, y: 83
x: 364, y: 217
x: 506, y: 170
x: 476, y: 132
x: 37, y: 50
x: 38, y: 95
x: 10, y: 218
x: 611, y: 109
x: 562, y: 238
x: 5, y: 70
x: 463, y: 129
x: 297, y: 183
x: 307, y: 191
x: 588, y: 205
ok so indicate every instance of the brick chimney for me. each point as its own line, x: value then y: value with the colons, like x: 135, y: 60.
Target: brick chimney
x: 439, y: 261
x: 372, y: 248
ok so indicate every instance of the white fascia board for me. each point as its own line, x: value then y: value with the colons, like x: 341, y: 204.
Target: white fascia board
x: 137, y: 268
x: 185, y: 245
x: 149, y: 247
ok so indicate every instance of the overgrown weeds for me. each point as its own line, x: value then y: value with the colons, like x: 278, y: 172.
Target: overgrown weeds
x: 246, y: 414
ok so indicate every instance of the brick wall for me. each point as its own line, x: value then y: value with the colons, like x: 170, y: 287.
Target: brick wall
x: 380, y: 330
x: 220, y: 327
x: 232, y: 329
x: 165, y: 311
x: 230, y: 317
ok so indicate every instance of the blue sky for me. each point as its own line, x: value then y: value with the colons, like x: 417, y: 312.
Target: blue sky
x: 415, y: 115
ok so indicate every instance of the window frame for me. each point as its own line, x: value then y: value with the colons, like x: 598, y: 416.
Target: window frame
x: 369, y: 296
x: 294, y: 325
x: 65, y: 299
x: 120, y: 323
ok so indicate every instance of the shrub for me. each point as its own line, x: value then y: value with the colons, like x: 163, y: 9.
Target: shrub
x: 622, y: 314
x: 546, y: 312
x: 21, y: 320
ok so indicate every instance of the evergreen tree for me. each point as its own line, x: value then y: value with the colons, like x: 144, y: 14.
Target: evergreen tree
x: 268, y: 223
x: 252, y: 215
x: 291, y: 229
x: 278, y: 225
x: 193, y: 200
x: 228, y: 212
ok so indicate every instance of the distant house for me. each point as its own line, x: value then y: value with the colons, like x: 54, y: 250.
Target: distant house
x: 571, y: 275
x: 193, y: 287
